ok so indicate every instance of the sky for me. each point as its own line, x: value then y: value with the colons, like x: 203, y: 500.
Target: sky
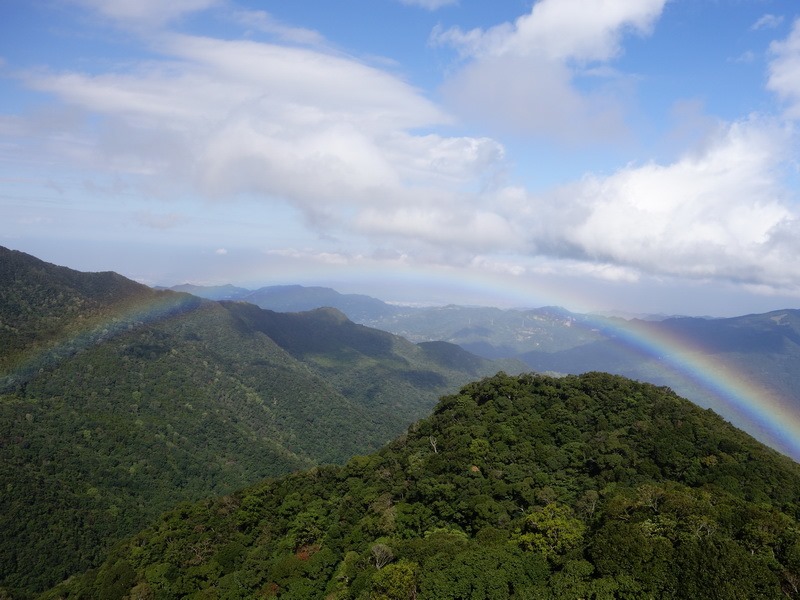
x: 602, y: 155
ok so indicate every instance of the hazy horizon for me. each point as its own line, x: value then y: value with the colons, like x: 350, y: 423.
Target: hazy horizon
x: 461, y: 293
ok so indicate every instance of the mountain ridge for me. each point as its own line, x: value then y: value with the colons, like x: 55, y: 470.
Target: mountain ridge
x: 118, y: 400
x: 761, y: 349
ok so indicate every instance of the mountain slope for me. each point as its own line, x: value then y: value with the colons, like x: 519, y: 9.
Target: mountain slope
x: 517, y: 487
x: 388, y: 375
x: 762, y: 350
x: 99, y: 443
x: 118, y: 401
x: 42, y: 304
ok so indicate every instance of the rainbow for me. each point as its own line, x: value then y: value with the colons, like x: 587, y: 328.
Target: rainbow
x: 123, y: 317
x: 760, y: 411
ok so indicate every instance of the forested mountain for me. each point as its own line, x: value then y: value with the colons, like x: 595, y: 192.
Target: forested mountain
x: 762, y: 350
x: 118, y: 401
x: 489, y: 332
x: 589, y: 486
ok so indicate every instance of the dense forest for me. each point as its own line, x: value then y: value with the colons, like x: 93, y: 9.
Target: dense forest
x: 527, y: 486
x: 762, y: 350
x: 118, y: 401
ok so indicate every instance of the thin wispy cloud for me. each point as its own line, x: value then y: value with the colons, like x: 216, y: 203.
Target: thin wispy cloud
x: 767, y: 21
x: 159, y: 220
x: 784, y: 70
x: 430, y: 4
x: 263, y: 22
x: 145, y: 12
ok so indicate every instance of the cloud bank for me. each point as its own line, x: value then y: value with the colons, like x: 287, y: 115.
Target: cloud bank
x: 362, y: 154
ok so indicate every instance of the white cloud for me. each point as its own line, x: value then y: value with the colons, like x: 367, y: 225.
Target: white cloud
x: 715, y: 214
x: 315, y: 256
x: 221, y: 251
x: 430, y: 4
x: 784, y: 71
x: 560, y: 30
x: 719, y: 212
x: 308, y: 86
x: 468, y: 230
x: 767, y: 21
x: 747, y: 57
x: 531, y: 96
x: 692, y: 127
x: 522, y: 76
x: 328, y: 134
x: 351, y: 147
x: 431, y: 158
x: 145, y: 12
x: 492, y: 265
x: 264, y: 22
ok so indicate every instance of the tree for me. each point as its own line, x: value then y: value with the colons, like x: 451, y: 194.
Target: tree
x: 382, y: 555
x: 395, y: 582
x: 551, y: 530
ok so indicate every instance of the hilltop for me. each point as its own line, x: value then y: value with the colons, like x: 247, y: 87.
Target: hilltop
x: 589, y: 486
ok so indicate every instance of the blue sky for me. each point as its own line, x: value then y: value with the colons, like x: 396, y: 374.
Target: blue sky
x: 625, y: 155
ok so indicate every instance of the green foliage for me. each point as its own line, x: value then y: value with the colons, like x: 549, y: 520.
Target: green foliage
x: 118, y: 402
x: 762, y: 349
x: 397, y: 581
x: 550, y: 530
x: 535, y: 487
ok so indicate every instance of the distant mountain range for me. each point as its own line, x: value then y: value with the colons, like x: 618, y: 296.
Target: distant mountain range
x: 742, y: 367
x: 118, y: 401
x: 297, y: 298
